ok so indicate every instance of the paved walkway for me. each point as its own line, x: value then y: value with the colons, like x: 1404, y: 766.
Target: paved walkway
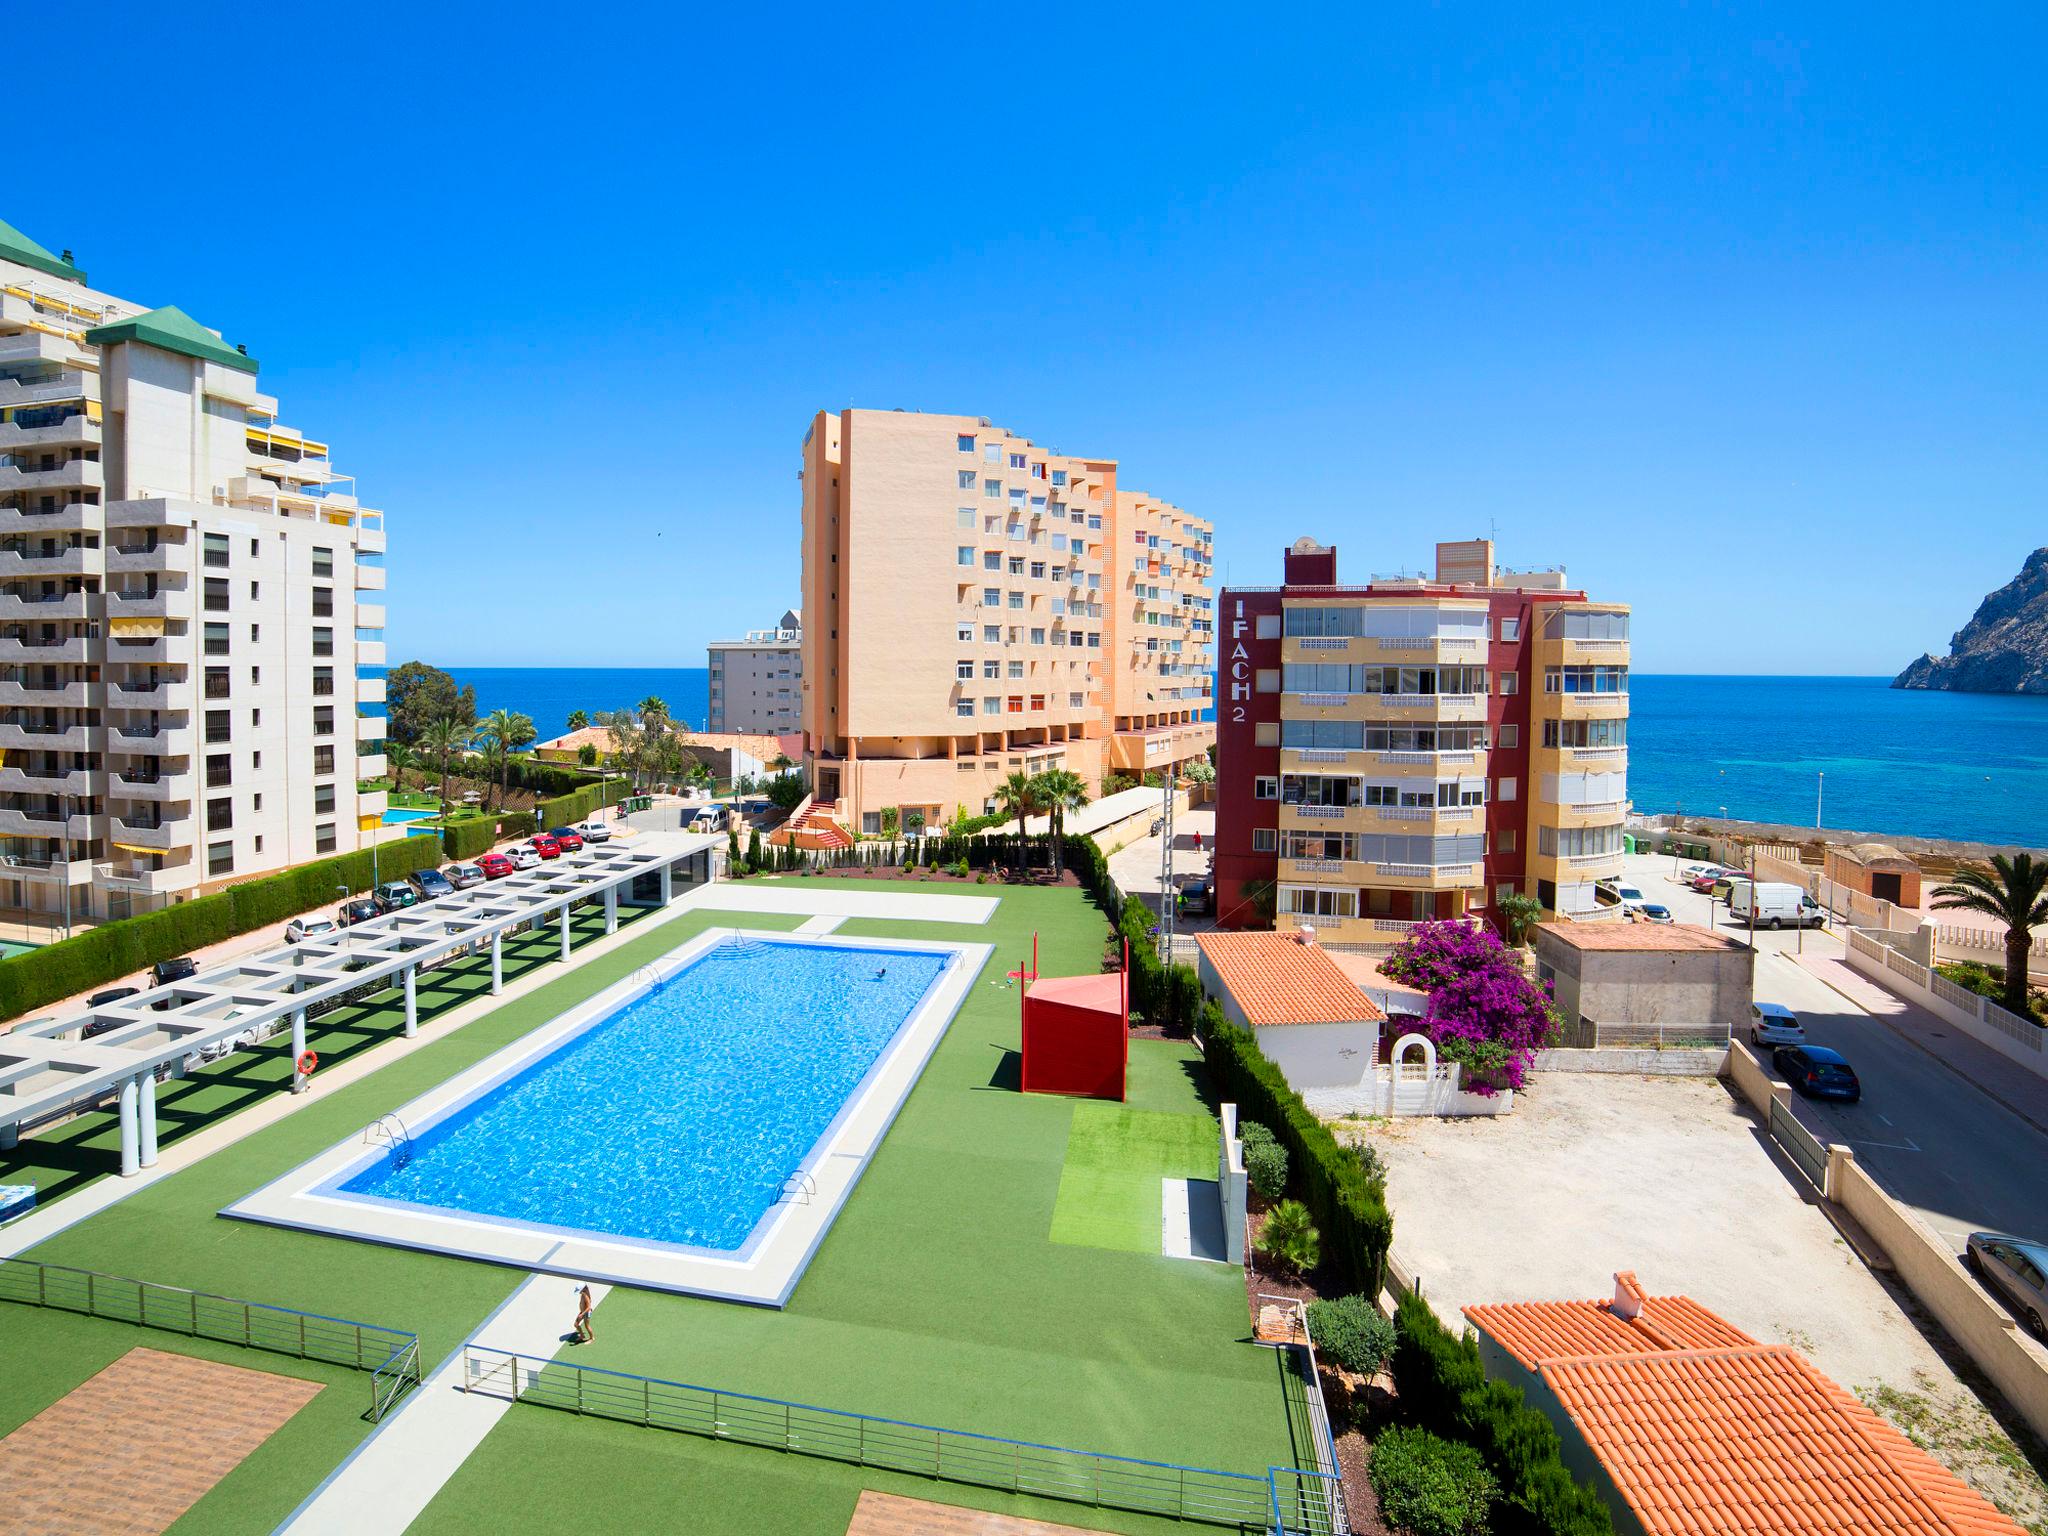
x: 800, y: 896
x: 140, y: 1443
x: 398, y: 1471
x: 2024, y: 1093
x: 890, y: 1514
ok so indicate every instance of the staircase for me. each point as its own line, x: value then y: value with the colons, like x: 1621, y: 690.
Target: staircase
x: 814, y: 824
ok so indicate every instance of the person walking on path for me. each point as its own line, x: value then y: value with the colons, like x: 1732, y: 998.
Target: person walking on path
x: 584, y: 1331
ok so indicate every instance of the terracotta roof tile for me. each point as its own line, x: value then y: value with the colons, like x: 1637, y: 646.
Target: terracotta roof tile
x: 1277, y: 979
x: 1535, y: 1331
x: 1637, y: 936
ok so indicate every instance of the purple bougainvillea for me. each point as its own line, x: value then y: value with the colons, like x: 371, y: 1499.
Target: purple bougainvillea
x: 1484, y: 1011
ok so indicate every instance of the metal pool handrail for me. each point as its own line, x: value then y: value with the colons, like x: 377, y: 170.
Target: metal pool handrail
x: 390, y: 1355
x: 1292, y: 1501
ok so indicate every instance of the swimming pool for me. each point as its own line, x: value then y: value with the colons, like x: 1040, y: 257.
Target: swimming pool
x: 397, y: 818
x: 695, y: 1127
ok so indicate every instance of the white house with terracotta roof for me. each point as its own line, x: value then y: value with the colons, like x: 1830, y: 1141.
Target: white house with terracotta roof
x: 1686, y: 1424
x: 1312, y: 1020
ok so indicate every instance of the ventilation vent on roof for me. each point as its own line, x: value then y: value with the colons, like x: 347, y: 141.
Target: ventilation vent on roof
x: 1628, y: 1297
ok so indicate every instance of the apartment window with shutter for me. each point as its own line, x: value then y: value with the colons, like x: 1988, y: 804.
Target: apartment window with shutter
x: 1504, y: 840
x: 1266, y: 733
x: 1266, y: 787
x: 1265, y: 840
x: 323, y: 642
x: 214, y: 549
x: 219, y: 771
x: 323, y: 720
x: 216, y: 594
x: 323, y: 837
x: 216, y: 639
x: 323, y: 602
x: 323, y: 759
x: 323, y: 799
x: 323, y: 561
x: 220, y: 858
x: 219, y: 727
x: 323, y: 682
x: 220, y: 815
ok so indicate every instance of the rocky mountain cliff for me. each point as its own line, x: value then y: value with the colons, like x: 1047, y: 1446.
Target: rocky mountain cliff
x: 2004, y: 647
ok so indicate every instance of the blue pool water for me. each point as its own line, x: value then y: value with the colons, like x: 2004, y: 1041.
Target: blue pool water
x: 677, y: 1118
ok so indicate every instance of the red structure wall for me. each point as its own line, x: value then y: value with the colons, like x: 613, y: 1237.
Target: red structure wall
x: 1076, y: 1036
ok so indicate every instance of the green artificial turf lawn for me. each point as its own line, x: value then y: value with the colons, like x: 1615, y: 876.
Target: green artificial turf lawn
x: 1109, y: 1194
x: 936, y: 1297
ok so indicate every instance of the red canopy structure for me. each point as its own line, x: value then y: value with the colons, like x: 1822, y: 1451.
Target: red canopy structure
x: 1077, y: 1036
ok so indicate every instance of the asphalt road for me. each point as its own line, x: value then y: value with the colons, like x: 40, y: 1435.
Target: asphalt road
x: 1927, y: 1134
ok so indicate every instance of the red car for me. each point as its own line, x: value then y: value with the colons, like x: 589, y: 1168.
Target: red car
x: 494, y: 865
x: 546, y: 846
x: 568, y: 837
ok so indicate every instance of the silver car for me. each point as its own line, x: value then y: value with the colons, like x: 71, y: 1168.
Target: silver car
x: 1774, y: 1024
x: 2015, y: 1268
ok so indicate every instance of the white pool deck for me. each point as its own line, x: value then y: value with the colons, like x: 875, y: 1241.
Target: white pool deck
x: 763, y: 1273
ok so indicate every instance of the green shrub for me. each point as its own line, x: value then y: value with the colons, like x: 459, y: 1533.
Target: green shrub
x: 1431, y: 1486
x: 1367, y: 1156
x: 1265, y: 1161
x: 1289, y: 1242
x: 754, y: 849
x: 1443, y: 1387
x: 1350, y: 1331
x: 467, y: 838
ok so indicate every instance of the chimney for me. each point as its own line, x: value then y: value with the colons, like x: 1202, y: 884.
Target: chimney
x: 67, y: 254
x: 1628, y: 1296
x: 1307, y: 935
x: 242, y: 348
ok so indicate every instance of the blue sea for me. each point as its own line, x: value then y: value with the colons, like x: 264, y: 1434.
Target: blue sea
x: 1962, y: 765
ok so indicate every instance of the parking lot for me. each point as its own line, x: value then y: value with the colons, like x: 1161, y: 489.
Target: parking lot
x: 1674, y: 1179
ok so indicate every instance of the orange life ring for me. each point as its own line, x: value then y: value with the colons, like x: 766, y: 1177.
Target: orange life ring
x: 307, y: 1063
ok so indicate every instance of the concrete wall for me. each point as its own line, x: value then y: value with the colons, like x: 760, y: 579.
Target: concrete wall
x: 1321, y: 1055
x: 2017, y: 1365
x: 2016, y: 1039
x: 1233, y: 1184
x: 1680, y: 1061
x: 1647, y: 987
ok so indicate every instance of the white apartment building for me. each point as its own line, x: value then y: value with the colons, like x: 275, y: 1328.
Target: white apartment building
x: 757, y: 683
x: 186, y: 593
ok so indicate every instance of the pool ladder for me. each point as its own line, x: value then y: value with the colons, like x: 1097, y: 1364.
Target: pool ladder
x: 741, y: 944
x: 799, y: 1187
x: 390, y: 1131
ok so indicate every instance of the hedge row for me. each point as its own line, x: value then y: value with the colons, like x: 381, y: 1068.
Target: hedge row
x: 120, y: 948
x: 1442, y: 1386
x: 1349, y: 1206
x: 464, y: 840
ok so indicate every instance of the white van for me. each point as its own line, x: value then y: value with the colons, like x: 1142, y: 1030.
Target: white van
x: 1777, y: 905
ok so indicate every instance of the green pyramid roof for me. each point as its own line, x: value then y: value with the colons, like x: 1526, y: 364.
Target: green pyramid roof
x: 15, y: 246
x: 171, y: 329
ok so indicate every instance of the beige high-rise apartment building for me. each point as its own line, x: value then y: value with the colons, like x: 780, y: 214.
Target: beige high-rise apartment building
x: 186, y: 592
x: 976, y: 605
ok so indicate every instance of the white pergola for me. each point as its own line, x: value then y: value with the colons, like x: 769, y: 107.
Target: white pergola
x: 49, y: 1069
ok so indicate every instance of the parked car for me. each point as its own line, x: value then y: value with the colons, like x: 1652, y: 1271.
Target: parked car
x: 1618, y: 893
x: 463, y: 876
x: 1774, y: 1024
x: 164, y: 972
x: 359, y: 909
x: 100, y: 1027
x: 111, y: 995
x: 1654, y: 912
x: 706, y: 818
x: 544, y: 845
x: 593, y: 831
x: 521, y: 856
x: 1818, y: 1072
x: 496, y: 866
x: 1776, y: 904
x: 1157, y: 823
x: 1709, y: 877
x: 569, y: 840
x: 1724, y: 887
x: 300, y: 929
x: 2017, y: 1269
x: 430, y: 883
x: 394, y: 895
x: 1197, y: 896
x: 1690, y: 872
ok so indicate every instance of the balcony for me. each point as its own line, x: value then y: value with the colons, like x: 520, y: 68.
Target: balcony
x: 372, y: 727
x: 1398, y: 650
x: 1576, y: 868
x: 40, y: 609
x: 369, y: 653
x: 1416, y: 819
x: 164, y: 835
x: 51, y: 824
x: 1423, y: 877
x: 369, y: 690
x: 75, y: 430
x: 372, y: 767
x: 1587, y: 706
x: 50, y: 872
x: 140, y: 512
x: 86, y: 474
x: 143, y: 694
x: 72, y: 384
x: 124, y: 651
x: 165, y: 787
x: 62, y: 696
x: 33, y: 651
x: 163, y: 603
x: 51, y: 738
x: 372, y: 802
x: 1396, y: 707
x: 369, y: 578
x: 1582, y: 813
x: 31, y: 781
x: 143, y: 740
x: 137, y: 555
x: 32, y: 565
x: 126, y: 876
x: 369, y: 616
x: 71, y: 517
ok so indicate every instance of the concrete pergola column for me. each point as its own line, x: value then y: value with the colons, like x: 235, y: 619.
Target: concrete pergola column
x: 10, y: 1137
x: 611, y: 909
x: 131, y: 1149
x: 298, y: 1048
x: 412, y: 1001
x: 667, y: 883
x: 565, y: 930
x: 497, y: 963
x: 147, y: 1115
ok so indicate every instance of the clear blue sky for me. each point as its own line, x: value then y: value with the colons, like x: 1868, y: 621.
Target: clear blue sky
x: 1738, y: 311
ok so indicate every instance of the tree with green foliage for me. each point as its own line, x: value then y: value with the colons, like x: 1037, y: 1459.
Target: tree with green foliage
x: 700, y: 776
x: 1265, y: 1161
x: 1059, y: 792
x: 579, y: 720
x: 1018, y: 796
x: 1519, y: 912
x: 416, y: 694
x: 1350, y: 1331
x: 754, y: 850
x: 1430, y: 1486
x: 440, y: 741
x: 504, y: 732
x: 1289, y: 1243
x: 786, y: 791
x: 1200, y: 771
x: 586, y: 755
x: 1116, y: 784
x: 2013, y: 892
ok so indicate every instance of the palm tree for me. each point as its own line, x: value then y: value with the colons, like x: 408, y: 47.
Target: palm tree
x: 653, y: 708
x: 441, y: 740
x: 579, y: 720
x: 1018, y: 796
x: 2015, y: 892
x: 1060, y: 792
x: 397, y: 758
x: 506, y: 732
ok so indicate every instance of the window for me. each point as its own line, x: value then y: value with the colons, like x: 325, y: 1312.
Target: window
x: 1578, y: 842
x: 255, y: 591
x: 967, y: 477
x: 1266, y: 680
x: 1503, y: 891
x: 1265, y: 840
x: 1504, y: 840
x: 1038, y: 570
x: 992, y: 488
x: 991, y: 560
x: 323, y: 799
x: 1266, y: 787
x: 993, y: 452
x: 964, y: 442
x: 323, y: 642
x: 1266, y: 733
x: 965, y: 516
x: 1510, y: 737
x: 1017, y: 461
x: 323, y: 837
x: 1504, y: 789
x: 991, y: 705
x: 964, y: 709
x: 991, y: 597
x: 1059, y: 477
x: 1266, y: 626
x: 1038, y: 637
x: 323, y: 562
x: 964, y: 554
x: 1586, y: 626
x: 323, y: 759
x: 220, y: 858
x: 991, y: 634
x: 1016, y: 565
x: 1017, y: 671
x: 991, y: 670
x: 1511, y: 629
x: 219, y: 727
x: 323, y: 720
x: 964, y: 671
x: 1585, y: 734
x: 1076, y: 700
x: 217, y: 682
x: 1510, y: 682
x: 1016, y: 599
x: 216, y: 639
x: 964, y: 633
x: 220, y: 815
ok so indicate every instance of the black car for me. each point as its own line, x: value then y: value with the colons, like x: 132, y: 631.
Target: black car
x: 1818, y: 1072
x: 430, y: 883
x: 111, y: 995
x: 360, y: 910
x: 164, y: 972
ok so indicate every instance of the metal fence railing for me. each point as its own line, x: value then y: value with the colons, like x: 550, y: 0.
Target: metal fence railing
x: 1800, y: 1144
x: 390, y: 1355
x: 1662, y: 1037
x: 1293, y: 1501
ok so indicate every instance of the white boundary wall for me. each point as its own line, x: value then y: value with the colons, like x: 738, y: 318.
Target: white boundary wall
x: 1982, y: 1020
